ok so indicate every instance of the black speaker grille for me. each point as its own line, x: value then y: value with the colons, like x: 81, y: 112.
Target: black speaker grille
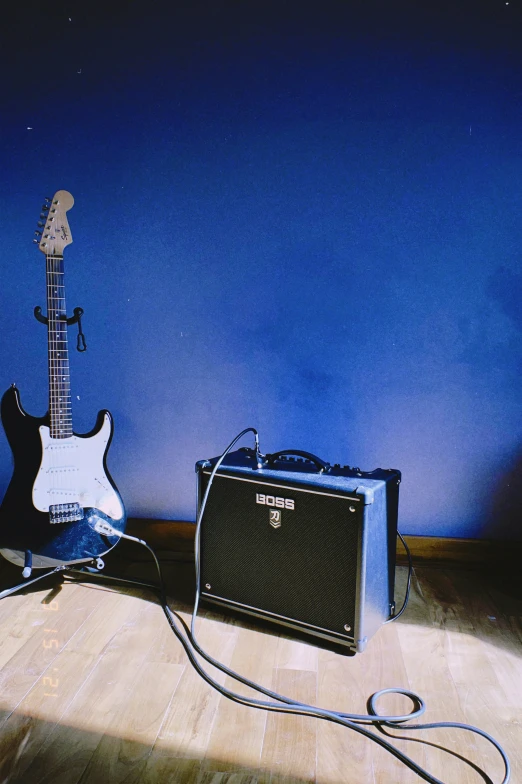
x: 304, y: 570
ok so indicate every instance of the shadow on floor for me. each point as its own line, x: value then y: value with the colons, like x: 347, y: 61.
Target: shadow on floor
x: 33, y: 750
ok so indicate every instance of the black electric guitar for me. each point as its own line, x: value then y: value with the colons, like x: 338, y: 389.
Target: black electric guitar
x: 61, y: 493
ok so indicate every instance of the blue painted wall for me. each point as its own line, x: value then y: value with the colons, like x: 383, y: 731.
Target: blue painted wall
x: 306, y: 223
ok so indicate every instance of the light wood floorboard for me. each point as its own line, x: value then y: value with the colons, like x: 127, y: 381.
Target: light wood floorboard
x: 96, y: 688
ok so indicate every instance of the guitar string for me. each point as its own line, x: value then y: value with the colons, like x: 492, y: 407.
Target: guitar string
x: 62, y: 387
x: 50, y: 352
x: 59, y: 399
x: 52, y: 376
x: 51, y: 371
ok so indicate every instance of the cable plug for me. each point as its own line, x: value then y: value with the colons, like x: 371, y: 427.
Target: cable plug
x: 260, y: 457
x: 106, y: 529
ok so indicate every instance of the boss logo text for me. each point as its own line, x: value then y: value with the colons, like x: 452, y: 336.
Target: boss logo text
x: 273, y: 500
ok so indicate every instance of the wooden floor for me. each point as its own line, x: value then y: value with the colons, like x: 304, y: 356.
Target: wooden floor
x: 96, y: 688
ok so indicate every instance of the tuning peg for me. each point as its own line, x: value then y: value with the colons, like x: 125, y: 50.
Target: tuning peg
x: 43, y: 216
x: 41, y: 223
x: 36, y: 242
x: 47, y: 198
x: 38, y: 234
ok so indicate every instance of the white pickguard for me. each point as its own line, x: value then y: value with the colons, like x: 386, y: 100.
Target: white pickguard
x: 72, y: 471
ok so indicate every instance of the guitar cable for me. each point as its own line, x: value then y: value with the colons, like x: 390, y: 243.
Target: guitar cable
x: 356, y: 722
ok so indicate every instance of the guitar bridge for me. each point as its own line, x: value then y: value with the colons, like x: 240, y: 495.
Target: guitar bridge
x: 65, y: 513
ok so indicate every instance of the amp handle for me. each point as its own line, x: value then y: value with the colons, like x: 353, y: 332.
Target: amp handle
x: 321, y: 465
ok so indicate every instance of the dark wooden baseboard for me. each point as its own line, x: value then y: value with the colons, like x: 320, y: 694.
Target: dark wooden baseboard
x: 470, y: 553
x: 174, y: 539
x: 176, y: 536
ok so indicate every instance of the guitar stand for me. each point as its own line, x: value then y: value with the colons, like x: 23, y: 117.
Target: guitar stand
x: 84, y: 573
x: 81, y: 345
x: 21, y: 586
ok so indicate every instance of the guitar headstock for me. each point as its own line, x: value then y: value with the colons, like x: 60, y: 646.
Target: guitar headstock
x: 54, y: 234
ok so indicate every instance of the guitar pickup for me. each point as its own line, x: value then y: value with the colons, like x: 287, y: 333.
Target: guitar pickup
x: 65, y: 513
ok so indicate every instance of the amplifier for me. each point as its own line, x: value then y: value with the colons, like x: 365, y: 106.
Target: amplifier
x: 300, y: 543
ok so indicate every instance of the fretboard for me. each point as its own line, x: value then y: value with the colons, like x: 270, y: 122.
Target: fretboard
x: 59, y: 381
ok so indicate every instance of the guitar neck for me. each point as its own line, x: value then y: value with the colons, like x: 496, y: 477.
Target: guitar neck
x: 58, y: 353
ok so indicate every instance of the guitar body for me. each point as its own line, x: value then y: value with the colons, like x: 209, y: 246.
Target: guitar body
x: 60, y: 487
